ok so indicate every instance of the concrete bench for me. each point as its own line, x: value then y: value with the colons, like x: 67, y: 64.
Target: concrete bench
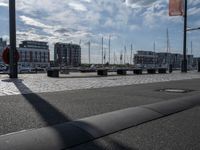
x: 137, y: 71
x: 64, y: 71
x: 53, y: 73
x: 162, y: 70
x: 102, y: 72
x: 151, y: 71
x: 121, y: 71
x: 87, y: 70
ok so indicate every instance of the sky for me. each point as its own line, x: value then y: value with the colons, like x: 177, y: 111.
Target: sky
x: 136, y: 22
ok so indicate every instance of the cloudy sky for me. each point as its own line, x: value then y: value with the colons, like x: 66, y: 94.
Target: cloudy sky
x: 137, y: 22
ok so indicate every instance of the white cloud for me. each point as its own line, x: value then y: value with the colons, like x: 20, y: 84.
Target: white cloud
x: 77, y: 6
x: 33, y: 22
x: 72, y: 20
x: 193, y: 2
x: 88, y: 1
x: 2, y: 4
x: 197, y: 23
x: 134, y: 27
x: 139, y: 3
x: 193, y: 11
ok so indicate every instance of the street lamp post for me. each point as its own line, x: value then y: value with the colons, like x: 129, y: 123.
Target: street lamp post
x: 184, y: 62
x: 12, y: 52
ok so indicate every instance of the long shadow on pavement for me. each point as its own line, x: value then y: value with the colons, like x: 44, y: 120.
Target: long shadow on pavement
x: 53, y: 116
x: 49, y: 113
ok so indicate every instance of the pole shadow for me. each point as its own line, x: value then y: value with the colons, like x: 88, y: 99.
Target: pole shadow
x: 52, y: 116
x: 49, y: 113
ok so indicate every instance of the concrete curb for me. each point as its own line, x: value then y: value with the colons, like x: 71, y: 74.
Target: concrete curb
x: 108, y: 123
x: 173, y: 106
x: 78, y: 132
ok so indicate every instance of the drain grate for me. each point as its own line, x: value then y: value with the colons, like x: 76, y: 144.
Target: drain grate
x: 175, y: 90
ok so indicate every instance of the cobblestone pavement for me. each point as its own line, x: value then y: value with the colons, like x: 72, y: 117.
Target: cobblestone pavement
x: 39, y: 83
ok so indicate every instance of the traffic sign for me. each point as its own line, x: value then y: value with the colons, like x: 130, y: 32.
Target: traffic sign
x: 5, y: 55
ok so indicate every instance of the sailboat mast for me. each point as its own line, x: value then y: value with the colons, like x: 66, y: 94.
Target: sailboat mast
x: 89, y: 51
x: 102, y: 51
x: 154, y: 54
x: 109, y: 50
x: 167, y: 41
x: 124, y: 55
x: 131, y: 58
x: 114, y: 58
x: 168, y: 61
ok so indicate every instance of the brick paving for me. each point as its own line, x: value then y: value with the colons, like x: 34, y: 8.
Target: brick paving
x: 39, y: 83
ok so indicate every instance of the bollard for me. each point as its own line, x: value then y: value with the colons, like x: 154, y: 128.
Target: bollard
x: 170, y: 68
x: 198, y: 66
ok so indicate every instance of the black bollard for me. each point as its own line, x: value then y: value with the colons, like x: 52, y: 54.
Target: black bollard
x: 170, y: 68
x: 198, y: 66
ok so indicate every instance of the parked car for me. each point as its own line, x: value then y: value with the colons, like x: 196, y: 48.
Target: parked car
x: 3, y: 68
x: 40, y: 70
x: 24, y: 70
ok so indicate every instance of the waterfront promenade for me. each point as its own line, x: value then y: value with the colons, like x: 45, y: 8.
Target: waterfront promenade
x: 34, y: 101
x: 40, y: 83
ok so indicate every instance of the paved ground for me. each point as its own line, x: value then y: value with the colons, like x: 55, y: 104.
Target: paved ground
x: 180, y: 131
x: 39, y: 83
x: 44, y: 106
x: 19, y: 112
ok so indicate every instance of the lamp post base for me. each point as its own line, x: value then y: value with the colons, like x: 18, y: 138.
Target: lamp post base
x: 184, y: 66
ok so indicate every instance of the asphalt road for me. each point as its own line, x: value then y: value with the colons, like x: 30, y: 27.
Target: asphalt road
x: 180, y: 131
x: 21, y: 112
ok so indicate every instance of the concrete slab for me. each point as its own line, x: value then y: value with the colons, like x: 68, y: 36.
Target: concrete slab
x: 108, y: 123
x: 173, y: 106
x: 40, y: 83
x: 84, y: 130
x: 50, y: 138
x: 179, y: 131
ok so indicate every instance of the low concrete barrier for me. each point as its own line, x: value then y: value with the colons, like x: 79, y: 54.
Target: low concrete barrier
x: 78, y: 132
x: 137, y: 71
x: 53, y: 73
x: 162, y: 70
x: 64, y: 71
x: 87, y: 70
x: 151, y: 71
x: 121, y: 71
x: 102, y: 72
